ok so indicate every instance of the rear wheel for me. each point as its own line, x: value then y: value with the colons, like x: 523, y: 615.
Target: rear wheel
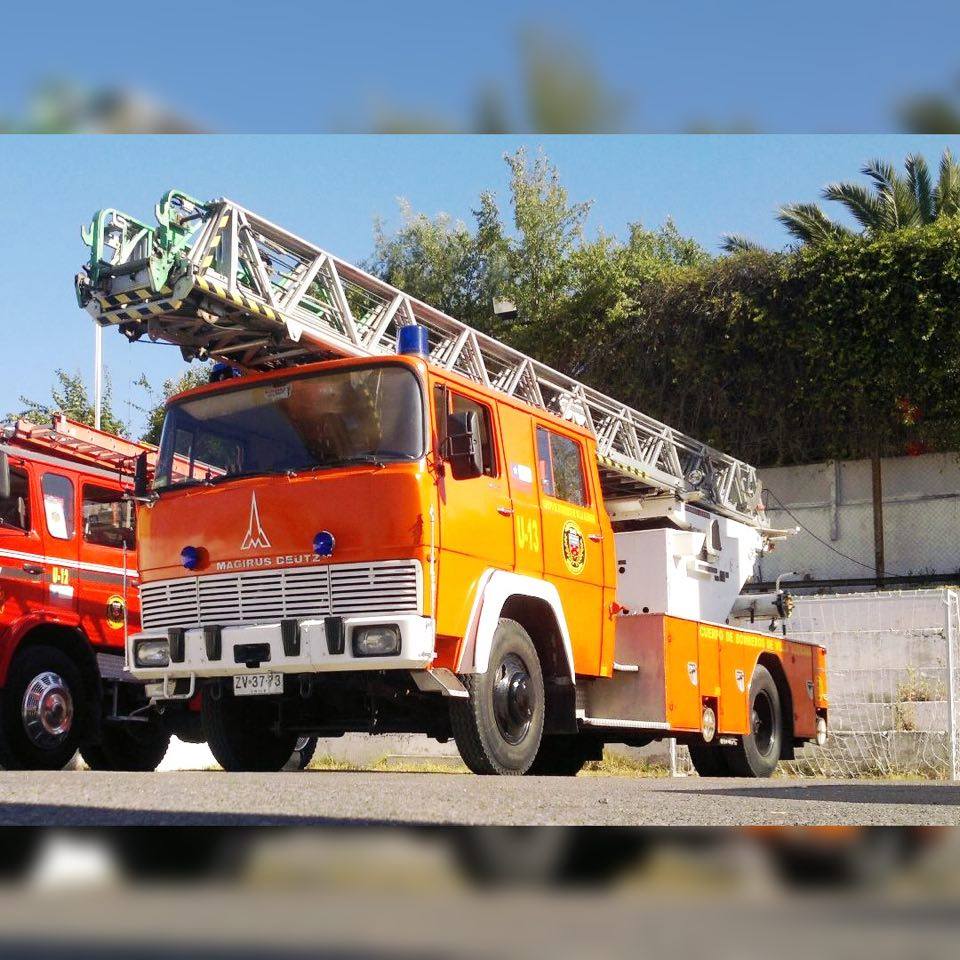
x: 758, y: 753
x: 137, y: 746
x: 563, y: 755
x: 42, y: 708
x: 498, y: 728
x: 240, y: 735
x: 708, y: 759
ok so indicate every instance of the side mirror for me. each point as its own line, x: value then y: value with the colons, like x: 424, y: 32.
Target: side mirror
x: 141, y: 480
x: 462, y: 447
x: 4, y: 476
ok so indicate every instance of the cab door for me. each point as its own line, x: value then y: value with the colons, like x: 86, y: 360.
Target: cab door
x: 58, y: 501
x: 476, y: 514
x: 22, y: 587
x: 521, y: 470
x: 107, y: 550
x: 573, y: 549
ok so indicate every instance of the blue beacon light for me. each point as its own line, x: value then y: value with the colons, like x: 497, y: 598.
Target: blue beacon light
x: 190, y: 557
x: 323, y: 543
x: 412, y: 339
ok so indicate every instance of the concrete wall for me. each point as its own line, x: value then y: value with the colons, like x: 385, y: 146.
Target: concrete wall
x: 921, y: 508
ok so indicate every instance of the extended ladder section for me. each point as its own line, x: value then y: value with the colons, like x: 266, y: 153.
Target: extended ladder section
x: 222, y: 282
x: 85, y: 445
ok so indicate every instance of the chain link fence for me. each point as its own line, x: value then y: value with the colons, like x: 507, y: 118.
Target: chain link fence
x: 893, y: 670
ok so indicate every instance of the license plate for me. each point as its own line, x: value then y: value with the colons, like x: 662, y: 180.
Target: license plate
x: 257, y: 684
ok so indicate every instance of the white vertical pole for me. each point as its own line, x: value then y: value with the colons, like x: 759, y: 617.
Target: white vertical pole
x: 953, y: 615
x: 97, y: 374
x: 673, y: 757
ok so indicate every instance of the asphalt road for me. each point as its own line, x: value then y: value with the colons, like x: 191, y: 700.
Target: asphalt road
x: 322, y: 797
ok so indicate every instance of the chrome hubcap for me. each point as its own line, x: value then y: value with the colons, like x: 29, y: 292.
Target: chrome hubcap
x: 47, y: 710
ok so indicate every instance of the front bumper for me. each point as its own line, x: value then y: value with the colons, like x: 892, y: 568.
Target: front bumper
x: 417, y: 651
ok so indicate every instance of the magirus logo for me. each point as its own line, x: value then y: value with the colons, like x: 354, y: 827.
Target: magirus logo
x: 256, y: 535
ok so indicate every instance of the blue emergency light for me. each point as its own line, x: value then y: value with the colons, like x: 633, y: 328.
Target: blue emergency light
x: 412, y: 339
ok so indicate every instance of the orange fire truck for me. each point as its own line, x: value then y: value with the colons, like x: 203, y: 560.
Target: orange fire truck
x: 67, y: 595
x: 390, y: 522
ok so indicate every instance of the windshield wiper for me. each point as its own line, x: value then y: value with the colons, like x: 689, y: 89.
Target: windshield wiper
x: 370, y: 458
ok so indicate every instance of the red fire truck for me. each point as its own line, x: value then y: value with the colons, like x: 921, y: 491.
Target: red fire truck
x: 68, y: 594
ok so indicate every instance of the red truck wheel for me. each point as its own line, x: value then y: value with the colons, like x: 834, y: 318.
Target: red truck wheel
x: 42, y: 708
x: 138, y: 747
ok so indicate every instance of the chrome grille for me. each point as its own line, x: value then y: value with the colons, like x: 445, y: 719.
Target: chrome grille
x: 392, y: 586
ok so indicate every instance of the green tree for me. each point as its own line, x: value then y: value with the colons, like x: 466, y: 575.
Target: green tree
x: 890, y: 201
x: 69, y: 396
x: 155, y: 408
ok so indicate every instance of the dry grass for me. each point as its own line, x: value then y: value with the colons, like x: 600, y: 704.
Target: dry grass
x: 612, y: 765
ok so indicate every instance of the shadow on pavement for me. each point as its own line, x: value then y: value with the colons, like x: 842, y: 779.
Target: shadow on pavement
x: 899, y: 794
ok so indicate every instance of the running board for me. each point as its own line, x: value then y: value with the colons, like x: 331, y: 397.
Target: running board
x: 626, y: 667
x: 631, y: 724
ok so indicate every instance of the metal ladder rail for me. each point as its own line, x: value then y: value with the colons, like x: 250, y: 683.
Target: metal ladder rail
x: 247, y: 290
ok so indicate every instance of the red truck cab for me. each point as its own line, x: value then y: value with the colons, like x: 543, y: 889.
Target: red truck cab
x: 68, y: 596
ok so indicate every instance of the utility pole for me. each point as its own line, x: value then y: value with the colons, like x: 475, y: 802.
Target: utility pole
x: 97, y: 374
x: 877, y: 472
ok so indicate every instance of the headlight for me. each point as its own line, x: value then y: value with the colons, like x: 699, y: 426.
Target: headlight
x: 152, y: 653
x: 380, y: 641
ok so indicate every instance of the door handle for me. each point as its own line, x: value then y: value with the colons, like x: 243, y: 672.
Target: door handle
x: 33, y: 569
x: 595, y: 537
x: 505, y: 511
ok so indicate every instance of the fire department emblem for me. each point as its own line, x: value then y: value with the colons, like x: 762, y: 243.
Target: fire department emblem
x: 574, y: 548
x: 115, y: 612
x: 741, y: 679
x: 256, y: 535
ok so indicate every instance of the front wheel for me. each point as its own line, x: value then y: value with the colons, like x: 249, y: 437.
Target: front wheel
x: 42, y: 709
x: 498, y: 727
x: 240, y: 733
x: 758, y: 753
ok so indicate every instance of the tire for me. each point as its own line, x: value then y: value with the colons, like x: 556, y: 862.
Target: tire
x: 305, y: 748
x: 134, y: 746
x: 709, y: 759
x: 758, y: 753
x: 44, y: 734
x: 563, y: 755
x: 239, y: 735
x: 498, y: 727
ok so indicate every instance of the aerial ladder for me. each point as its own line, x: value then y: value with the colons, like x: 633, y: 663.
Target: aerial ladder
x: 224, y: 283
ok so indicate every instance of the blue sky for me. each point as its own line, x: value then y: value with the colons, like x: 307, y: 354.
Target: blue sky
x: 300, y: 65
x: 330, y: 189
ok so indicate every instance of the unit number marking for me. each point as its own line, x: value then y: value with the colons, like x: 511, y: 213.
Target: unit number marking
x: 528, y: 533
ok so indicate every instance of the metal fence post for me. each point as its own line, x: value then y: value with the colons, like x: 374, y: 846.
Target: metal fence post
x: 953, y: 613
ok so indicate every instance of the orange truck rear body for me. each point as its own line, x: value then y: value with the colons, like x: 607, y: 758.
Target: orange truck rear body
x: 458, y: 531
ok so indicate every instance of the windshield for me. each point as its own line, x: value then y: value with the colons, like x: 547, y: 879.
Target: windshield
x: 372, y: 414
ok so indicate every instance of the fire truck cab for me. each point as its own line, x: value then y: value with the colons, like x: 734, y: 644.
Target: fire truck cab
x: 68, y: 591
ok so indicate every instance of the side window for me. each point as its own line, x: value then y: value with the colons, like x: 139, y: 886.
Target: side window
x: 15, y: 509
x: 58, y: 505
x: 560, y: 465
x: 446, y: 401
x: 108, y: 518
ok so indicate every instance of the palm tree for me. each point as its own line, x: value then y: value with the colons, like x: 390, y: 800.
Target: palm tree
x: 890, y: 202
